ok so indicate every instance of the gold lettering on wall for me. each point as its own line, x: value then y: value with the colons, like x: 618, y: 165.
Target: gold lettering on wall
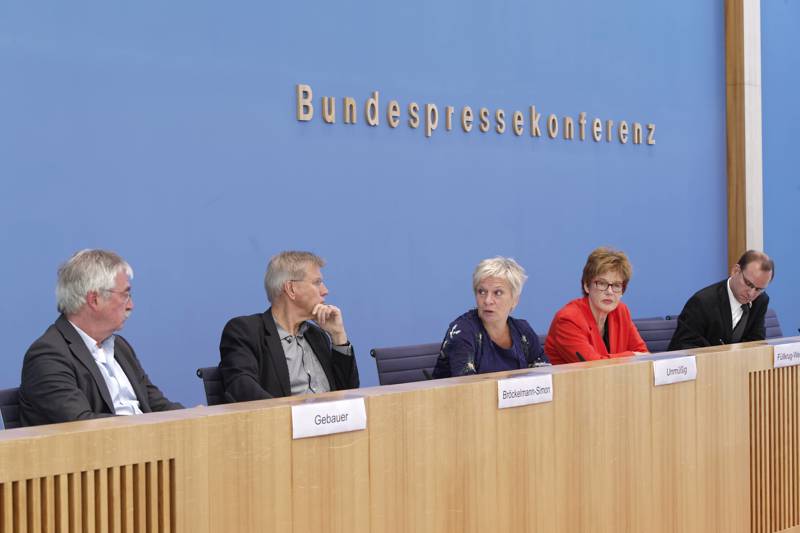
x: 349, y: 111
x: 582, y: 124
x: 569, y: 129
x: 535, y: 131
x: 500, y: 119
x: 329, y: 109
x: 371, y: 110
x: 518, y: 123
x: 637, y: 133
x: 466, y: 118
x: 552, y: 126
x: 623, y: 131
x: 393, y: 114
x: 488, y: 118
x: 431, y: 119
x: 651, y: 134
x: 597, y: 130
x: 413, y: 115
x: 484, y: 124
x: 305, y: 109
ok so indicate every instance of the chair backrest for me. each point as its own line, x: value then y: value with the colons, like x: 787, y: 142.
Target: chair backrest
x: 404, y: 364
x: 9, y: 408
x: 212, y: 383
x: 542, y: 339
x: 657, y: 331
x: 772, y: 325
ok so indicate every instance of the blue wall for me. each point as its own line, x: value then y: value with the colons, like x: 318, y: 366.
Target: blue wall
x: 167, y: 132
x: 780, y: 70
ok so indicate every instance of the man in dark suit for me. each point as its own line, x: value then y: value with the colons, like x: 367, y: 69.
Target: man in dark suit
x: 730, y: 311
x: 79, y: 369
x: 281, y: 352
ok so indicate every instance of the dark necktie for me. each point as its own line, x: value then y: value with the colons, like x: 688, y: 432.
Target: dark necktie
x: 738, y: 331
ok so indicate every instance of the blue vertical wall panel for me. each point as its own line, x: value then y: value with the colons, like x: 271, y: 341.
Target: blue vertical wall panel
x: 167, y: 132
x: 780, y: 66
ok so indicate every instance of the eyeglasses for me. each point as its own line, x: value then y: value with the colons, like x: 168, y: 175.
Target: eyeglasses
x: 750, y: 284
x: 602, y: 285
x: 317, y: 282
x: 128, y: 294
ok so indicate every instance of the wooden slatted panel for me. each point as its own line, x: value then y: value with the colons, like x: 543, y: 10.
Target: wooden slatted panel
x: 164, y: 498
x: 60, y: 504
x: 118, y: 499
x: 100, y: 502
x: 173, y: 497
x: 87, y: 502
x: 48, y: 510
x: 20, y: 507
x: 774, y: 450
x: 139, y: 499
x: 126, y: 499
x: 114, y: 500
x: 5, y: 508
x: 151, y: 495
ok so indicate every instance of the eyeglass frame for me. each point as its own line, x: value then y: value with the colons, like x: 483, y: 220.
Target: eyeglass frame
x: 317, y: 282
x: 598, y: 282
x: 749, y: 284
x: 127, y: 292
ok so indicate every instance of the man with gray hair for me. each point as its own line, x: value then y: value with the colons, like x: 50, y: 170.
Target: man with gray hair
x: 281, y: 352
x: 79, y: 369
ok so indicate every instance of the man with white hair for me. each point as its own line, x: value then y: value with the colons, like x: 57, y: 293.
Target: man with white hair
x: 79, y: 369
x: 281, y: 352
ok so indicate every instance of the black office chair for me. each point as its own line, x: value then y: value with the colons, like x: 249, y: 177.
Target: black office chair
x: 212, y: 383
x: 9, y: 407
x: 772, y: 325
x: 656, y: 332
x: 404, y: 364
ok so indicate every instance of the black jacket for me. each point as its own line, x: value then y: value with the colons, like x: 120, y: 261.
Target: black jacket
x: 706, y: 319
x: 61, y: 381
x: 253, y: 364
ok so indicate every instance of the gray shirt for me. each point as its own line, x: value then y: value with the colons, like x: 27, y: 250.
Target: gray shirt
x: 306, y: 374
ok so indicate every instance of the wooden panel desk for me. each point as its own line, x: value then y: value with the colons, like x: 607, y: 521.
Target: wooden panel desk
x: 610, y: 453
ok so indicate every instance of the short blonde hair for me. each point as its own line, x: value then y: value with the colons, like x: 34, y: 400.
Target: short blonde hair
x: 500, y: 267
x: 605, y: 259
x: 287, y: 266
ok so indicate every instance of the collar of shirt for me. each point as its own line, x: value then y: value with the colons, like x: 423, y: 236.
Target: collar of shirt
x: 286, y: 336
x: 100, y: 352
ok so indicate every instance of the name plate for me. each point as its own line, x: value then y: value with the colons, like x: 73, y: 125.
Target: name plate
x: 675, y: 370
x: 525, y: 390
x: 324, y: 418
x: 787, y: 354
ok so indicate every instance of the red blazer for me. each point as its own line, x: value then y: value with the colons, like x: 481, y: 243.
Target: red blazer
x: 574, y: 331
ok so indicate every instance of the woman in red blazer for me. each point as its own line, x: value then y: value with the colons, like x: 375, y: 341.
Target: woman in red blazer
x: 599, y: 325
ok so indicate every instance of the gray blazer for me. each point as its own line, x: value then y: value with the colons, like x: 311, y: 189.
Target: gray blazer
x: 61, y: 381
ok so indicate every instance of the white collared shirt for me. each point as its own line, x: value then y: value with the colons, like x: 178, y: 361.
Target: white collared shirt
x: 736, y: 306
x: 119, y: 386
